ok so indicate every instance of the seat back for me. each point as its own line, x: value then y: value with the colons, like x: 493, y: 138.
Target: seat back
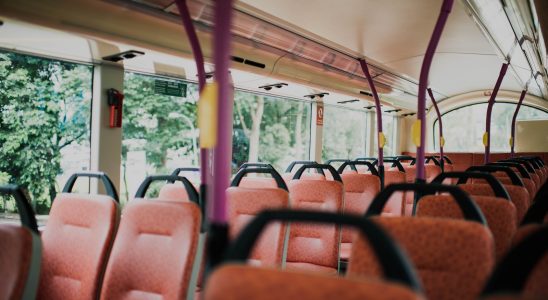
x: 525, y: 176
x: 154, y: 252
x: 313, y: 246
x: 242, y: 282
x: 498, y: 210
x: 21, y: 250
x: 524, y: 271
x: 77, y: 240
x: 453, y: 257
x: 245, y: 202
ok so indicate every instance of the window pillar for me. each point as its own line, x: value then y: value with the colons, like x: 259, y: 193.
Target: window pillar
x: 370, y: 134
x: 316, y: 131
x: 106, y: 142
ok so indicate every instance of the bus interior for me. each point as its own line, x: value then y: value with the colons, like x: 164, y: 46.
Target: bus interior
x: 254, y: 149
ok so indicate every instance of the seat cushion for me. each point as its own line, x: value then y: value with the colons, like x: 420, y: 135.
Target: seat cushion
x: 76, y: 242
x: 499, y: 213
x: 154, y: 251
x: 20, y: 255
x: 241, y: 282
x: 452, y: 257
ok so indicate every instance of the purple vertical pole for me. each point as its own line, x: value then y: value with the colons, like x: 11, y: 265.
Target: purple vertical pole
x: 222, y: 152
x: 365, y: 70
x: 199, y: 59
x: 490, y: 110
x: 217, y: 237
x: 440, y: 127
x: 423, y: 82
x: 514, y: 118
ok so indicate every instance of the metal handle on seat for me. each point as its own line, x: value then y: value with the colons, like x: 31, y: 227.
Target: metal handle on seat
x: 395, y: 163
x: 373, y: 160
x: 189, y: 188
x: 353, y: 165
x: 178, y: 171
x: 255, y: 164
x: 109, y: 186
x: 499, y: 189
x: 322, y: 167
x: 395, y: 264
x: 256, y: 170
x: 302, y: 162
x: 26, y: 213
x: 498, y: 168
x: 521, y: 169
x: 469, y: 209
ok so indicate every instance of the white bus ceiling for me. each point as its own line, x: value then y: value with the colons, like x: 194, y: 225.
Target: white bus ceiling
x: 391, y: 34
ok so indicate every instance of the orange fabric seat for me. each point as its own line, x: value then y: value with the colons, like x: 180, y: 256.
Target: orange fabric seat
x: 241, y: 282
x: 453, y: 257
x: 518, y: 195
x: 77, y: 240
x: 392, y: 176
x: 155, y: 249
x: 311, y: 244
x: 500, y: 215
x: 233, y: 281
x: 359, y: 191
x: 20, y: 250
x: 523, y: 273
x: 19, y: 266
x: 245, y: 203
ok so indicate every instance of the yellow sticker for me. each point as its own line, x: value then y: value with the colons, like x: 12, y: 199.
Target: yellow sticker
x: 416, y: 133
x: 207, y: 115
x: 442, y: 141
x: 382, y: 140
x: 511, y: 142
x: 485, y: 138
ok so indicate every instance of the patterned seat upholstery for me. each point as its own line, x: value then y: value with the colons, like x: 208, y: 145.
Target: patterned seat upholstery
x: 245, y: 203
x: 76, y: 242
x: 242, y: 282
x: 359, y: 191
x: 518, y: 195
x: 20, y: 254
x: 310, y: 246
x: 154, y: 251
x: 499, y: 213
x: 453, y: 257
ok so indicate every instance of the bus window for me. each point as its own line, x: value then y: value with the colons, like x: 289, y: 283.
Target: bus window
x: 159, y: 130
x: 344, y: 133
x: 45, y: 110
x: 270, y: 129
x: 464, y: 126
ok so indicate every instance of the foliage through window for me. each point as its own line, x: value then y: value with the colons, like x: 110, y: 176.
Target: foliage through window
x: 159, y: 131
x: 344, y: 133
x: 45, y: 110
x: 463, y: 128
x: 269, y: 129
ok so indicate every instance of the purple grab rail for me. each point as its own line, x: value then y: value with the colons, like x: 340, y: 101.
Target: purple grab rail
x: 199, y: 59
x: 423, y: 82
x: 487, y: 137
x: 365, y: 70
x: 514, y: 118
x: 223, y: 150
x: 440, y: 126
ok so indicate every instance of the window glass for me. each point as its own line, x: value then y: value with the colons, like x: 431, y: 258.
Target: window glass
x: 269, y: 129
x: 389, y: 128
x: 344, y: 133
x: 159, y: 130
x: 463, y: 128
x: 45, y: 108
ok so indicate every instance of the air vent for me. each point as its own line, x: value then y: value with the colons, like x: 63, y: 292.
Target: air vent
x: 366, y: 93
x: 123, y: 55
x: 319, y: 95
x: 348, y: 101
x: 392, y: 110
x: 238, y: 59
x: 254, y: 64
